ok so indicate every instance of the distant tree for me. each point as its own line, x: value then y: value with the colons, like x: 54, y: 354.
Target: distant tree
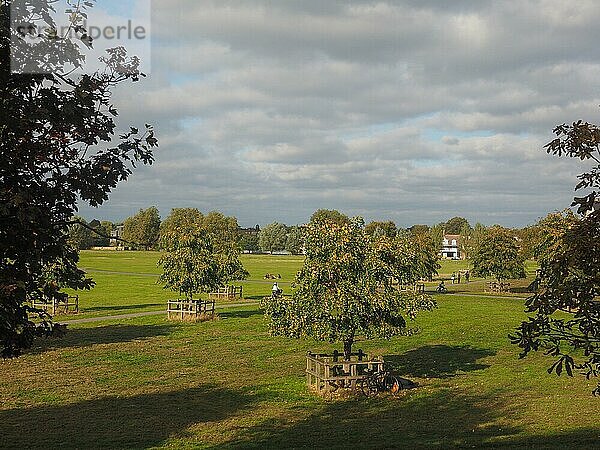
x: 528, y: 236
x: 419, y: 229
x: 80, y: 236
x: 224, y: 230
x: 273, y: 237
x: 333, y: 215
x: 387, y: 228
x: 498, y: 256
x: 473, y: 240
x: 104, y: 231
x: 181, y: 217
x: 344, y: 290
x: 456, y: 225
x: 58, y: 148
x: 249, y: 242
x: 437, y: 235
x: 142, y: 229
x: 294, y: 242
x: 549, y: 233
x: 564, y: 319
x: 189, y: 262
x: 406, y: 259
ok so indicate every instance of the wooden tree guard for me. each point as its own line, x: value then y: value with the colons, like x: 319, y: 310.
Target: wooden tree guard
x: 67, y: 305
x: 226, y: 292
x: 416, y: 287
x: 328, y: 373
x: 190, y: 309
x: 497, y: 286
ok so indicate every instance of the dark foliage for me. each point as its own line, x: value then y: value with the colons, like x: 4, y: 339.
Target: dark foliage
x: 56, y: 147
x: 565, y: 320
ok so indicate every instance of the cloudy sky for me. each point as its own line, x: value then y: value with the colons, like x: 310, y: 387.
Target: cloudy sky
x: 414, y: 111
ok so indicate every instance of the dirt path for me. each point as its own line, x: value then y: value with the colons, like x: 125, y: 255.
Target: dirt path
x: 146, y: 313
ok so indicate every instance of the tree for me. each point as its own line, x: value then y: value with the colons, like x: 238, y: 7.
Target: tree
x: 273, y: 237
x: 456, y: 225
x: 472, y: 242
x: 249, y: 242
x: 190, y: 264
x: 406, y: 259
x: 142, y: 229
x: 181, y: 217
x: 104, y: 231
x: 56, y: 148
x: 437, y: 235
x: 344, y: 290
x: 498, y: 256
x: 81, y: 236
x: 223, y: 232
x: 419, y: 229
x: 564, y: 313
x: 332, y: 215
x: 294, y: 242
x: 387, y: 228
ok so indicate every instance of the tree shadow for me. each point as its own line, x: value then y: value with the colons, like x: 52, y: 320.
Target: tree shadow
x: 444, y: 419
x: 110, y: 334
x: 243, y: 314
x: 121, y: 307
x: 257, y: 296
x: 438, y: 361
x: 115, y: 422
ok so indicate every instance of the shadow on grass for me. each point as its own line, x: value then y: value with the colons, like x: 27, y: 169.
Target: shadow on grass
x: 438, y: 361
x: 115, y: 422
x: 110, y: 334
x: 446, y: 419
x: 256, y: 297
x: 243, y: 314
x: 121, y: 307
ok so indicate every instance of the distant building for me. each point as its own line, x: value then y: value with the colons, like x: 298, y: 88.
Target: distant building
x: 117, y: 234
x: 451, y: 247
x: 252, y: 230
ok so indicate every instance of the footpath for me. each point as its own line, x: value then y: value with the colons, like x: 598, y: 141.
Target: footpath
x: 146, y: 313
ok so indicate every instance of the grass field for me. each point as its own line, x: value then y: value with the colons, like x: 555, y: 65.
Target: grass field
x: 149, y: 383
x: 126, y: 281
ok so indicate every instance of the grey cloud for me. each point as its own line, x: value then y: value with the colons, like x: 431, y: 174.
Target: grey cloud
x: 410, y: 110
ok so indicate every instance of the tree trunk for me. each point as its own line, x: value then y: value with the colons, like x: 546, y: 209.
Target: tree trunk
x: 348, y: 348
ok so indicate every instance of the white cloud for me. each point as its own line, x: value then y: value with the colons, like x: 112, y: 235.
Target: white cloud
x: 410, y: 110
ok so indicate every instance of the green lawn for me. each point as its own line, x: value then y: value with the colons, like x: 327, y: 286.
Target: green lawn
x: 150, y: 383
x: 126, y: 281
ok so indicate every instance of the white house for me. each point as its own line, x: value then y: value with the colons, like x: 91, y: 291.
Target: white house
x: 451, y: 247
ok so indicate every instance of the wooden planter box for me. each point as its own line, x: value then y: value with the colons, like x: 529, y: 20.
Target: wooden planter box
x: 226, y: 292
x: 190, y: 309
x: 69, y: 305
x: 327, y: 373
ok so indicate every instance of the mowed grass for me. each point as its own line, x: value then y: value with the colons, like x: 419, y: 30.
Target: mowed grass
x: 126, y: 282
x: 150, y: 383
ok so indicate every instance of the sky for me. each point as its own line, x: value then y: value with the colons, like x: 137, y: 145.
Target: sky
x: 413, y: 111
